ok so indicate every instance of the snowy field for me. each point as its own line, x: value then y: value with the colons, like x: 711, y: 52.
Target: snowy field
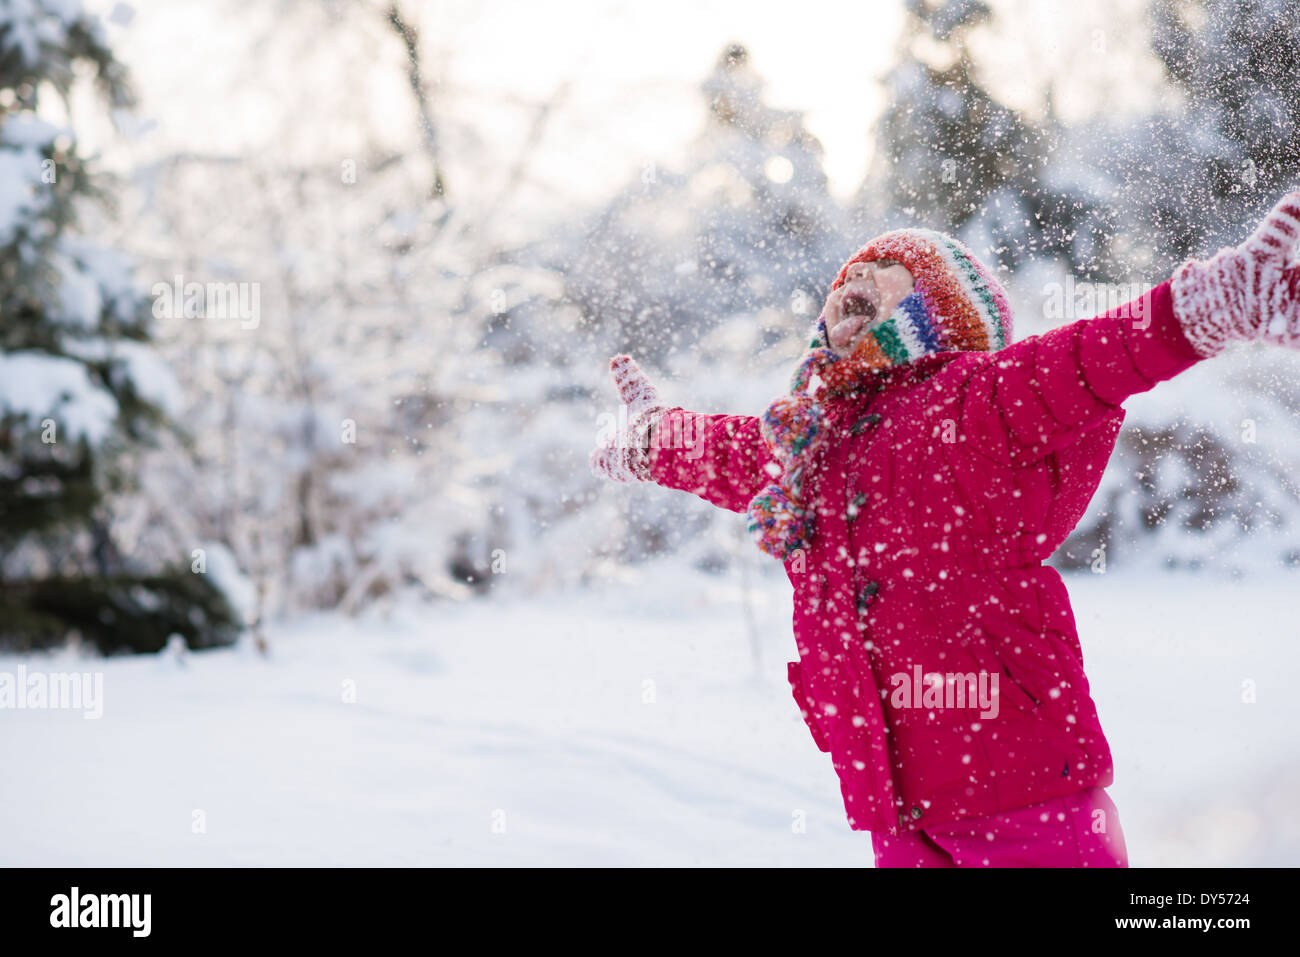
x: 621, y: 726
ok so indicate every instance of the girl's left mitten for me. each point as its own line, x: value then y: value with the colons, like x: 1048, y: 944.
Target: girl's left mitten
x: 624, y: 456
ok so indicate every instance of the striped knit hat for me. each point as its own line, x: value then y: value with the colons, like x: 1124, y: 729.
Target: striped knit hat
x: 955, y: 306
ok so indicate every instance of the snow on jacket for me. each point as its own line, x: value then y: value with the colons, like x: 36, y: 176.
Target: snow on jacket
x: 947, y: 484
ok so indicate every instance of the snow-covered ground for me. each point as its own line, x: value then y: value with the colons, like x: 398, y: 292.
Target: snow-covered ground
x: 624, y: 725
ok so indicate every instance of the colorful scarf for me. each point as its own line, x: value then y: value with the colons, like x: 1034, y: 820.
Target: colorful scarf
x: 955, y: 305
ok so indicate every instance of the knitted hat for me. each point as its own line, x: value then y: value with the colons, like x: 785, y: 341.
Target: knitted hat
x: 955, y: 306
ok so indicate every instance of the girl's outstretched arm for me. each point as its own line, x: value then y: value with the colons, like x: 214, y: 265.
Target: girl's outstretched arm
x: 720, y: 458
x: 1038, y: 395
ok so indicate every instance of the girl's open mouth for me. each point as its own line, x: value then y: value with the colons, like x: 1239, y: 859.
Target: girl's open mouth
x: 855, y: 304
x: 856, y: 311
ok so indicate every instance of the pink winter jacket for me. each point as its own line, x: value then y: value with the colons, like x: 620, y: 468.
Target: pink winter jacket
x: 949, y: 481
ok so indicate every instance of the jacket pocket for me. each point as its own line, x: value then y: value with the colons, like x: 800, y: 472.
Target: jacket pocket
x: 1032, y: 700
x: 794, y: 674
x: 1012, y: 689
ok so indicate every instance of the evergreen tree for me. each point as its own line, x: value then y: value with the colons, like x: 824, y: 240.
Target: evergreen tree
x: 952, y: 157
x: 747, y: 224
x: 80, y: 389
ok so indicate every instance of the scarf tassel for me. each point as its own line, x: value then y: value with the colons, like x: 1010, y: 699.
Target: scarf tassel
x: 778, y: 520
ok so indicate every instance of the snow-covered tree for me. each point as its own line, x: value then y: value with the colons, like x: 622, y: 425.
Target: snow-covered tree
x: 1196, y: 173
x: 353, y: 439
x: 80, y: 387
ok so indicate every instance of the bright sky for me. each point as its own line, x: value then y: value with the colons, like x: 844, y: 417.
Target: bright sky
x: 633, y: 69
x: 637, y: 66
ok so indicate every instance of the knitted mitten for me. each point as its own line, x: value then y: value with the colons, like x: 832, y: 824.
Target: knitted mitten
x: 625, y: 455
x: 1247, y: 292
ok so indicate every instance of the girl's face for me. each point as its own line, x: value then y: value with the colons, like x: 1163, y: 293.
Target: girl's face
x: 870, y: 292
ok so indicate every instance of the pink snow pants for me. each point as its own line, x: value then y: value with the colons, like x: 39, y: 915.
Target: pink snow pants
x: 1079, y: 830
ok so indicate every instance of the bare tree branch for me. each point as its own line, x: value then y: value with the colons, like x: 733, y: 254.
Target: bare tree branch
x: 415, y: 77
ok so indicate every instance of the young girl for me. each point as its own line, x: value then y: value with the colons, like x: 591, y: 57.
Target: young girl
x: 914, y: 482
